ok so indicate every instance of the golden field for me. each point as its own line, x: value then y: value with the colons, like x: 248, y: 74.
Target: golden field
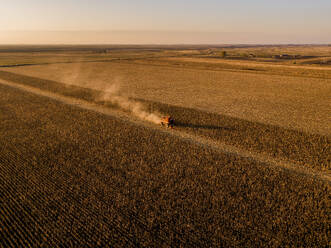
x: 247, y: 164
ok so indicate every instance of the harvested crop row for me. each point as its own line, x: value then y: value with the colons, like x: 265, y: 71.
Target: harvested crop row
x: 90, y: 163
x: 311, y: 150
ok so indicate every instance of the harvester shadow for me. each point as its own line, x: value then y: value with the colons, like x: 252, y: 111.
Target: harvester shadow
x: 199, y: 126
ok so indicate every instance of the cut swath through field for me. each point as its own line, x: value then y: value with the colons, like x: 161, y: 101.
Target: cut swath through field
x: 310, y: 150
x: 195, y: 139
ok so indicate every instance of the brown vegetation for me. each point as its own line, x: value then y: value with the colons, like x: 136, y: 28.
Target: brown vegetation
x: 73, y: 177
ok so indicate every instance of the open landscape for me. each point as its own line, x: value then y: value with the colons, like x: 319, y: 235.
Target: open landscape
x: 84, y: 161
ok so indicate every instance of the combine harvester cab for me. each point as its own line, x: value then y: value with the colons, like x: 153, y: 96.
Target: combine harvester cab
x: 168, y: 121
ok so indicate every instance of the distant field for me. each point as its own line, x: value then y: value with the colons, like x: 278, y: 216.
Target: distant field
x: 247, y: 165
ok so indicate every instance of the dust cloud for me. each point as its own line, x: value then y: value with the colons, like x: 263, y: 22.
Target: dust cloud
x: 111, y: 90
x: 112, y: 94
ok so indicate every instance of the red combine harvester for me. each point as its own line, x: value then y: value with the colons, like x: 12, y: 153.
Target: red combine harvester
x: 168, y: 121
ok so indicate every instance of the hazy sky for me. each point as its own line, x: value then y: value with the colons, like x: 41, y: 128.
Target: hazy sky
x: 166, y: 21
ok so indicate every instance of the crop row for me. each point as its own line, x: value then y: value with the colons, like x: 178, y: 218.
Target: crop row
x: 40, y: 215
x: 91, y: 178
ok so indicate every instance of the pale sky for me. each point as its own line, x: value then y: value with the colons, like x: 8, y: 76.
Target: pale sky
x: 167, y: 21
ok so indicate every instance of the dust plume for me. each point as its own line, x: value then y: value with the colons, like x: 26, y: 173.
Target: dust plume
x: 112, y: 94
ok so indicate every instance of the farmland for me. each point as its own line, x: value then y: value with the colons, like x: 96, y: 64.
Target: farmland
x: 266, y: 92
x: 76, y: 176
